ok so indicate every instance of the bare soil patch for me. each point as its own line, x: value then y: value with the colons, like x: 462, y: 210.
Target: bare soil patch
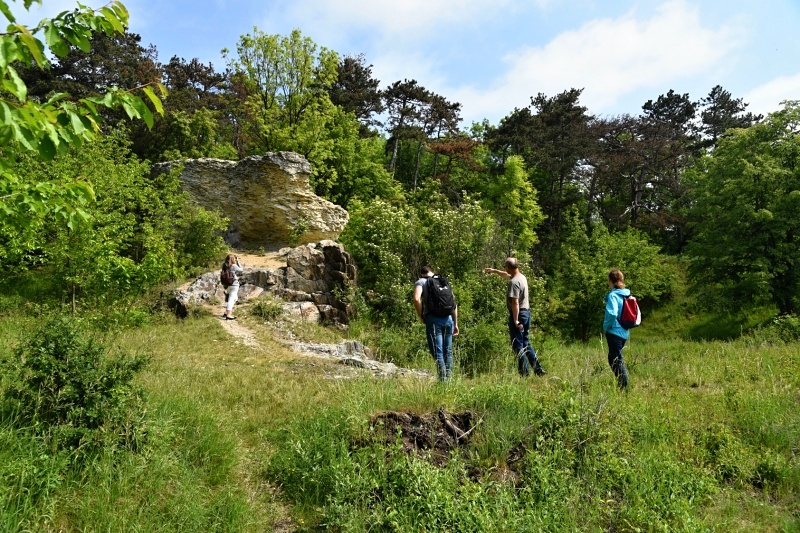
x: 269, y: 259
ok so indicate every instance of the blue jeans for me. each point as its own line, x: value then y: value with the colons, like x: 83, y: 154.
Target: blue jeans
x: 526, y: 355
x: 615, y: 360
x: 439, y: 331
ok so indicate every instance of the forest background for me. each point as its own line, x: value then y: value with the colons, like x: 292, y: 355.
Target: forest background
x: 695, y: 199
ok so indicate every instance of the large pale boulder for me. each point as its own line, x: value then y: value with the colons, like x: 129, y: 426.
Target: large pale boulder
x: 268, y: 199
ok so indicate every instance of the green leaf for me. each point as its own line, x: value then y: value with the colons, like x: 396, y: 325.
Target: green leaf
x: 47, y: 150
x: 7, y: 12
x: 8, y: 51
x: 154, y: 99
x: 129, y: 109
x: 113, y: 19
x: 19, y: 89
x: 24, y: 136
x: 92, y: 108
x: 142, y: 111
x: 77, y: 38
x: 6, y: 134
x: 77, y: 124
x: 6, y: 114
x: 33, y: 44
x: 57, y: 44
x: 121, y: 11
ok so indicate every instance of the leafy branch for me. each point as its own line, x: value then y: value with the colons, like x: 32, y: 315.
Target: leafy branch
x: 50, y: 127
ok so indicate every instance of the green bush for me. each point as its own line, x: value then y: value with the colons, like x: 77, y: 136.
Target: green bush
x: 267, y: 308
x: 782, y: 329
x: 65, y: 386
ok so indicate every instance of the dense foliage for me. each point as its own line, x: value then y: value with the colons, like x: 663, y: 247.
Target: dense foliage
x: 61, y: 384
x: 84, y: 226
x: 138, y: 232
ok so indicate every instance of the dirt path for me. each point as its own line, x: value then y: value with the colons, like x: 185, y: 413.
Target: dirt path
x: 240, y: 332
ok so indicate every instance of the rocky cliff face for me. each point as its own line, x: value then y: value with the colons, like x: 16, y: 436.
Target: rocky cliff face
x: 313, y: 283
x: 266, y: 198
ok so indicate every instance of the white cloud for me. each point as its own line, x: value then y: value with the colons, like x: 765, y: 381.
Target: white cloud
x: 609, y: 58
x: 402, y: 22
x: 767, y: 97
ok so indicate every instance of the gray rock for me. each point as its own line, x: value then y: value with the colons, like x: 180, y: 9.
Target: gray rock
x: 355, y: 354
x: 312, y: 283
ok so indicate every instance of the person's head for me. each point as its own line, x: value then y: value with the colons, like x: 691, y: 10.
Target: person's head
x: 511, y: 264
x: 231, y: 259
x: 425, y: 272
x: 616, y: 279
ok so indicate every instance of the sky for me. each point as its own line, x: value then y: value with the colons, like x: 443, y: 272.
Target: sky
x: 492, y: 56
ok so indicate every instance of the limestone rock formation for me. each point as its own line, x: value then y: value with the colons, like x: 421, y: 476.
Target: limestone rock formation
x: 313, y: 282
x: 267, y: 199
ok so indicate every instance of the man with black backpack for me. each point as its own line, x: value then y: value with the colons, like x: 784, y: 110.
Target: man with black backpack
x: 436, y: 307
x: 519, y: 317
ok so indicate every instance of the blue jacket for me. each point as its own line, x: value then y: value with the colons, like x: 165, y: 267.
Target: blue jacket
x: 613, y: 309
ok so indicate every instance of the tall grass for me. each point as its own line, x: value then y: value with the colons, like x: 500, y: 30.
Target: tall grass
x: 248, y: 439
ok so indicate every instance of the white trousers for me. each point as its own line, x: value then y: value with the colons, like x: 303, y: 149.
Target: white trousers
x: 233, y: 296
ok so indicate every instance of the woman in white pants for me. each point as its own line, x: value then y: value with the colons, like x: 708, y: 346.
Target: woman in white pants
x: 232, y: 292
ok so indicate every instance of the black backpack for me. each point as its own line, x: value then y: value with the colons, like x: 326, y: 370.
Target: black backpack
x: 226, y: 276
x: 440, y: 300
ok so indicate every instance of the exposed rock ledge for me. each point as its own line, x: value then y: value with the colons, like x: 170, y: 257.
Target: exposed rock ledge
x: 354, y: 353
x: 268, y: 199
x: 313, y: 283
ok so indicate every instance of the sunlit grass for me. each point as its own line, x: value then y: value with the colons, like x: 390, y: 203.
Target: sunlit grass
x: 706, y: 438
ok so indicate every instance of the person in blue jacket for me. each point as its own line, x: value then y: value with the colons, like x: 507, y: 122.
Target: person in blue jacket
x: 616, y: 335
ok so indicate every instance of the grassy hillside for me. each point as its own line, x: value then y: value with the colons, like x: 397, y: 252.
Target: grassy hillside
x: 257, y: 438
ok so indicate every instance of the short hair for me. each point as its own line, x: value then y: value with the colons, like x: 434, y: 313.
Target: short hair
x: 424, y: 271
x: 617, y: 278
x: 511, y: 262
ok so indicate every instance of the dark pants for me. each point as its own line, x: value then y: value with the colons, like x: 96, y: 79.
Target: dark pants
x: 615, y: 345
x: 526, y: 355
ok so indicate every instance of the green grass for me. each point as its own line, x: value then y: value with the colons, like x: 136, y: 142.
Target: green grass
x: 244, y: 439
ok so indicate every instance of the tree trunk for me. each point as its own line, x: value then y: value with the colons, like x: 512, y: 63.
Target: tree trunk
x: 394, y: 154
x: 416, y: 164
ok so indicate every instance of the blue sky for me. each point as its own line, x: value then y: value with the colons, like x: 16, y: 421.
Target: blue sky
x: 493, y: 55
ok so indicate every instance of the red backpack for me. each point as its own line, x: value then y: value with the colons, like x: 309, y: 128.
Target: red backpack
x: 631, y: 316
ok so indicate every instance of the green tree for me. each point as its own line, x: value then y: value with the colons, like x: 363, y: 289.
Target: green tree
x: 719, y: 112
x: 581, y: 273
x: 140, y: 230
x: 195, y: 121
x: 512, y: 200
x: 356, y: 91
x: 746, y: 246
x: 283, y: 81
x: 50, y: 126
x: 405, y: 101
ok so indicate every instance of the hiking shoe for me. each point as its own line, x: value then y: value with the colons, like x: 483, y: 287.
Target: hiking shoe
x: 539, y: 371
x: 230, y: 318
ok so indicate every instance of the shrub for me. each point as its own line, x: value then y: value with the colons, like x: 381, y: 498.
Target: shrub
x: 65, y: 387
x: 782, y: 329
x: 267, y: 308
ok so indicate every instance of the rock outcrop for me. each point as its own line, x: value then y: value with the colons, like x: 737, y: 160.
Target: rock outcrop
x: 268, y: 199
x: 313, y: 283
x: 355, y: 354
